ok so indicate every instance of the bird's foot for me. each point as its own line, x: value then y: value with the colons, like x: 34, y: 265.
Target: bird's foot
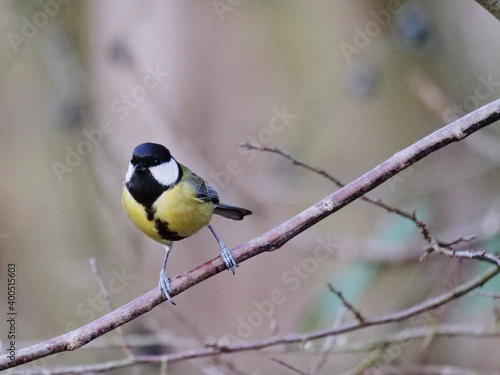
x: 227, y: 258
x: 164, y: 286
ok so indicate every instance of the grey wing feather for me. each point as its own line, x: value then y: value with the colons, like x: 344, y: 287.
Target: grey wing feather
x: 205, y: 193
x: 203, y: 190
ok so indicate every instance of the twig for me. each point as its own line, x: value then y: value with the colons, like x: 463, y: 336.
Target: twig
x: 469, y: 254
x: 106, y: 295
x: 445, y: 330
x: 348, y: 306
x: 377, y: 202
x: 288, y: 366
x: 284, y: 340
x: 488, y: 294
x: 427, y: 370
x: 163, y: 367
x: 372, y: 358
x: 329, y: 342
x: 269, y: 241
x: 434, y: 244
x: 450, y: 330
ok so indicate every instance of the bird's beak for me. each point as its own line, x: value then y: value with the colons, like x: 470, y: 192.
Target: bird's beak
x: 140, y: 167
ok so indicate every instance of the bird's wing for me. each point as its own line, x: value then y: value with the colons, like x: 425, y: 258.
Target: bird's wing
x: 204, y: 191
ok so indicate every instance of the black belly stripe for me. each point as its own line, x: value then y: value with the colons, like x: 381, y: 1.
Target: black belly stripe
x: 150, y: 213
x: 166, y: 233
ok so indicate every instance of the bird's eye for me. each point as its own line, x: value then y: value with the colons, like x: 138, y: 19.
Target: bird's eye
x: 157, y: 161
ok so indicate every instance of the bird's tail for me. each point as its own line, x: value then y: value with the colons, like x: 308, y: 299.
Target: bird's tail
x: 231, y: 212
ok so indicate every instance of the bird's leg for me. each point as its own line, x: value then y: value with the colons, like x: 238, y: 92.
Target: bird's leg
x: 224, y: 252
x: 164, y: 285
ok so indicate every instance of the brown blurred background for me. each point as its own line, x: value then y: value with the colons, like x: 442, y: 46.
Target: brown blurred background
x: 83, y: 83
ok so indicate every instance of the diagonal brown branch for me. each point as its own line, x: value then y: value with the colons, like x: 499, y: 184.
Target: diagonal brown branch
x: 268, y: 241
x: 422, y: 227
x: 329, y: 343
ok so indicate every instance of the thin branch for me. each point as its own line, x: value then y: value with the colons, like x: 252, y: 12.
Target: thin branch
x: 377, y: 202
x: 444, y: 330
x: 372, y: 358
x: 488, y: 294
x: 427, y: 370
x: 163, y: 368
x: 469, y: 254
x: 329, y: 342
x: 368, y: 322
x: 434, y: 244
x: 283, y: 340
x: 107, y: 297
x: 450, y: 330
x: 269, y: 241
x: 347, y: 305
x: 492, y: 6
x: 288, y: 366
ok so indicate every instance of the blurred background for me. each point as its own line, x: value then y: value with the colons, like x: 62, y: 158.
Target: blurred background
x: 339, y: 85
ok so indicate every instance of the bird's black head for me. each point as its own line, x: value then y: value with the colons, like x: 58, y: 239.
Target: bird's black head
x: 149, y: 155
x: 151, y: 171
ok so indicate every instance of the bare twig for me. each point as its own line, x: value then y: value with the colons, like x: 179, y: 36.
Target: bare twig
x: 106, y: 295
x: 469, y: 254
x: 288, y: 366
x: 492, y: 6
x: 427, y: 370
x: 377, y: 202
x: 271, y: 240
x: 348, y: 306
x: 448, y: 330
x: 443, y: 330
x: 372, y: 358
x: 163, y: 367
x: 434, y: 244
x: 292, y: 338
x: 329, y: 342
x: 488, y: 294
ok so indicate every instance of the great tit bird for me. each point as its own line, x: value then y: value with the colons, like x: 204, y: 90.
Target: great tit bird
x: 169, y: 202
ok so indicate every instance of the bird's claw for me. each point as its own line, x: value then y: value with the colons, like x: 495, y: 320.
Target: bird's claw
x: 228, y: 258
x: 164, y: 286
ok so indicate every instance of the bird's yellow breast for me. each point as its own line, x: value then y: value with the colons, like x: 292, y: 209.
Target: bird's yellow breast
x: 177, y: 210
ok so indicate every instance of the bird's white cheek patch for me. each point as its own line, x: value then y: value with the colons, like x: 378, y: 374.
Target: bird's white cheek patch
x: 130, y: 171
x: 166, y: 173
